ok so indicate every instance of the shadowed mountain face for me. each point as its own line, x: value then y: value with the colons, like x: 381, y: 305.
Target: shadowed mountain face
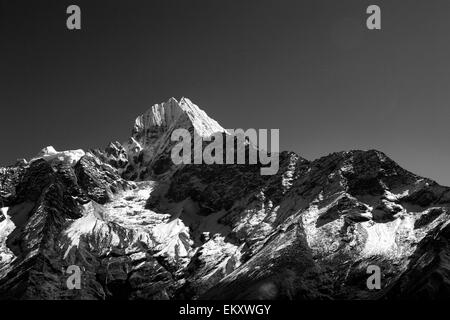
x: 140, y: 227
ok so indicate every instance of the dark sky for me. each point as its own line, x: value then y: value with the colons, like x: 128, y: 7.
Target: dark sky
x: 309, y: 68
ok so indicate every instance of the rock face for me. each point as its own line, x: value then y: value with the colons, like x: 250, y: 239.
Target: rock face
x: 139, y: 227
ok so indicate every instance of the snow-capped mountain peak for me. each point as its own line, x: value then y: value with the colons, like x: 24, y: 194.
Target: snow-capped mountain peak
x: 150, y: 139
x: 169, y: 115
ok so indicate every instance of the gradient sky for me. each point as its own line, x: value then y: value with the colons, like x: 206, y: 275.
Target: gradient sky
x: 309, y: 68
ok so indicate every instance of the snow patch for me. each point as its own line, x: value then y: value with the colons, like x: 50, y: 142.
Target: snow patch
x: 4, y: 211
x: 6, y: 227
x: 388, y: 239
x: 70, y: 157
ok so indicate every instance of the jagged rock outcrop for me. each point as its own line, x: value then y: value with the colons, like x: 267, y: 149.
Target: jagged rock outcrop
x: 100, y: 181
x: 140, y: 227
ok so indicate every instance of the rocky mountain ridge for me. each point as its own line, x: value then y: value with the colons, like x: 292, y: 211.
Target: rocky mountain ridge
x: 141, y: 228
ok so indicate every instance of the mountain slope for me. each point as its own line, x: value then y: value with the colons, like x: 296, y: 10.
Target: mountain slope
x: 140, y: 227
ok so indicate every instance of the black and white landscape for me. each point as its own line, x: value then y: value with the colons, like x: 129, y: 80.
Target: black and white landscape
x: 140, y: 227
x: 95, y: 206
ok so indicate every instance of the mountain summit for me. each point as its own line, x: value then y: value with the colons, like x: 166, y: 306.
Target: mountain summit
x: 139, y: 227
x: 150, y: 142
x: 171, y: 115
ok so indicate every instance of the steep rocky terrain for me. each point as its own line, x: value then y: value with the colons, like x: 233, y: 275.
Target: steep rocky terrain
x: 140, y: 227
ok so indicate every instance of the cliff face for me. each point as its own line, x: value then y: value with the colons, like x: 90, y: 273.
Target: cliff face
x: 141, y: 228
